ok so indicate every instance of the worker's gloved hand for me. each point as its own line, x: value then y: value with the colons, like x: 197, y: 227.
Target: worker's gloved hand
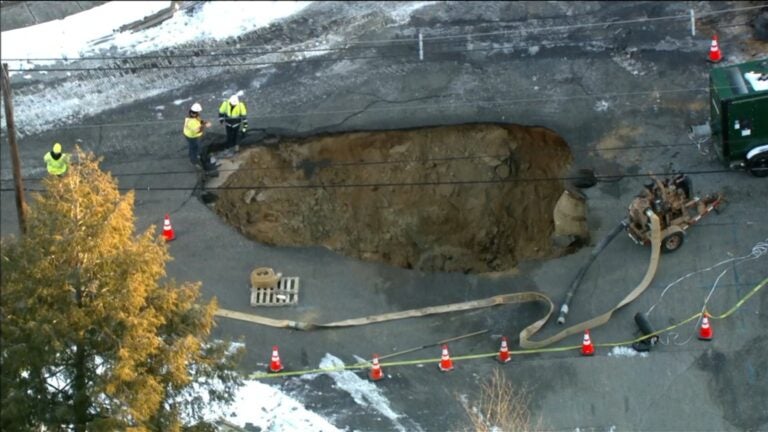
x: 245, y: 128
x: 221, y: 120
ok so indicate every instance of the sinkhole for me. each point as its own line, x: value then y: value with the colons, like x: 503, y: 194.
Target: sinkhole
x: 465, y: 198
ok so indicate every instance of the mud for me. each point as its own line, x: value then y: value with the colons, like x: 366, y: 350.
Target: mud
x: 468, y: 198
x: 613, y: 144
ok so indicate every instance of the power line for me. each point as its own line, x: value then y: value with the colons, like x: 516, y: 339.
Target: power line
x: 434, y: 57
x: 410, y: 55
x: 350, y: 46
x: 613, y: 177
x: 199, y: 66
x: 419, y: 107
x: 566, y: 27
x: 357, y: 44
x: 366, y: 163
x: 372, y: 162
x: 239, y: 51
x: 604, y: 24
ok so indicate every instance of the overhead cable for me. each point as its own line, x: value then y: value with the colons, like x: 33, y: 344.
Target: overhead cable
x: 350, y: 45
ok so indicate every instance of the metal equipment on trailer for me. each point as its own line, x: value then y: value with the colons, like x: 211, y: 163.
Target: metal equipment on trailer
x: 673, y: 202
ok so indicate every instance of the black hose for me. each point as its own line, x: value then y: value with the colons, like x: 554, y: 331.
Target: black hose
x: 583, y: 270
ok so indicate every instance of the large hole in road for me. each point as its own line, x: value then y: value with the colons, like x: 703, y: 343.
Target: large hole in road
x: 468, y: 198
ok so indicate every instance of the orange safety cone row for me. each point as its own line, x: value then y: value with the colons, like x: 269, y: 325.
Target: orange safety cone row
x: 705, y: 331
x: 376, y: 373
x: 504, y: 356
x: 714, y: 51
x: 587, y: 349
x: 168, y: 233
x: 446, y: 364
x: 274, y: 364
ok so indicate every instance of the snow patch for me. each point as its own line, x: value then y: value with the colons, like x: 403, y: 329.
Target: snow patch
x: 91, y: 32
x: 621, y: 351
x: 629, y: 64
x: 178, y: 102
x: 601, y: 105
x: 754, y: 80
x: 362, y: 391
x: 532, y: 50
x: 159, y: 107
x: 66, y: 37
x: 402, y: 14
x: 269, y: 409
x: 215, y: 20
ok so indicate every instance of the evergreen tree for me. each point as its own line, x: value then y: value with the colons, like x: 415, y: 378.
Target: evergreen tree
x: 94, y: 336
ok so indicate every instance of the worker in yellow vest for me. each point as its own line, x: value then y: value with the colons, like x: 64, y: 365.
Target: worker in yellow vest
x: 56, y: 161
x: 232, y: 114
x: 194, y: 127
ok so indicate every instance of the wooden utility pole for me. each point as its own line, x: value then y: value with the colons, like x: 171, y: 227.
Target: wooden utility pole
x: 15, y: 161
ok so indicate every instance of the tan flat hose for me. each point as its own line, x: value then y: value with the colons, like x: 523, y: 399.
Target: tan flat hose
x: 523, y: 297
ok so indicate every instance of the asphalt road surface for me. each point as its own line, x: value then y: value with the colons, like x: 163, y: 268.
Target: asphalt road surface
x: 621, y: 95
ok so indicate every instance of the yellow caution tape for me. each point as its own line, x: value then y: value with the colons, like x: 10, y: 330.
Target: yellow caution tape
x: 435, y: 360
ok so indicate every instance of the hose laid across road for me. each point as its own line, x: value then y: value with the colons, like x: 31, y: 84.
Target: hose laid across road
x: 524, y: 297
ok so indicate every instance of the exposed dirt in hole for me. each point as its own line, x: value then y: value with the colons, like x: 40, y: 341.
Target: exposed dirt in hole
x: 434, y: 199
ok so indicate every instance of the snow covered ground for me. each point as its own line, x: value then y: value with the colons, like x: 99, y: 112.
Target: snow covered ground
x: 268, y: 408
x: 205, y: 27
x: 87, y: 33
x: 92, y: 33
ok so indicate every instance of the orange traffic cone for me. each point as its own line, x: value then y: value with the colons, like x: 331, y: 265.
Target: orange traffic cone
x: 446, y: 364
x: 705, y: 331
x: 275, y: 365
x: 376, y: 372
x: 168, y: 233
x: 504, y: 356
x: 714, y: 51
x: 587, y: 349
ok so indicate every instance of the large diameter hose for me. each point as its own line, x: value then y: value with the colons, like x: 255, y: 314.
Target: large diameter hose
x: 583, y: 270
x: 501, y: 299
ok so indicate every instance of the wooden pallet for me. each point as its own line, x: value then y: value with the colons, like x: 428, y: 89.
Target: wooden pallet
x: 286, y: 293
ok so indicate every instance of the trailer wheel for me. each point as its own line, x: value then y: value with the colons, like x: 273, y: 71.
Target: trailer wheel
x: 758, y: 166
x: 672, y: 242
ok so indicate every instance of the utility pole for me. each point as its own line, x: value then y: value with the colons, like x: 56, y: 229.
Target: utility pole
x: 15, y: 161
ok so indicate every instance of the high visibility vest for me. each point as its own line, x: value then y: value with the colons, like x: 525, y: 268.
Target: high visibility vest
x: 193, y: 127
x: 226, y: 110
x: 56, y: 167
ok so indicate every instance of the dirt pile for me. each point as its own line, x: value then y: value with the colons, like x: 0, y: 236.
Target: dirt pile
x: 470, y: 198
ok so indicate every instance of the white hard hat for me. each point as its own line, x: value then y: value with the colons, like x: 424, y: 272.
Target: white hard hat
x: 196, y: 108
x: 233, y: 100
